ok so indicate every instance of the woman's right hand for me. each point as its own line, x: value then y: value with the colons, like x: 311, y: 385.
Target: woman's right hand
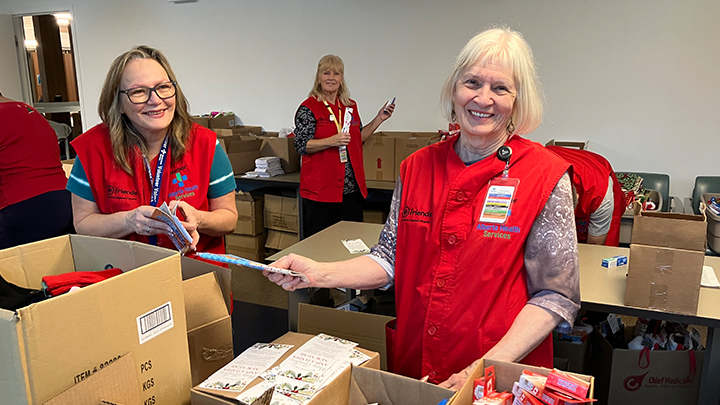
x: 341, y: 139
x: 308, y: 267
x: 141, y: 222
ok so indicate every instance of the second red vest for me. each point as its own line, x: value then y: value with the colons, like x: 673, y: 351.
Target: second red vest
x: 322, y: 175
x: 460, y: 283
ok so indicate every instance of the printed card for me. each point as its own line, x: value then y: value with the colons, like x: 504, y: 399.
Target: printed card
x: 237, y: 374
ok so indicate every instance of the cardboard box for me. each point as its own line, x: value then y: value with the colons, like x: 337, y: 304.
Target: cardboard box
x: 281, y: 213
x: 406, y: 146
x: 205, y: 396
x: 375, y: 216
x: 52, y: 345
x: 662, y: 378
x: 223, y: 121
x: 247, y: 130
x: 284, y: 148
x: 505, y: 375
x: 280, y: 240
x: 575, y: 354
x: 666, y: 260
x: 208, y: 301
x: 249, y: 247
x: 242, y: 153
x: 368, y: 330
x: 250, y: 214
x: 116, y: 383
x: 202, y: 121
x: 379, y: 157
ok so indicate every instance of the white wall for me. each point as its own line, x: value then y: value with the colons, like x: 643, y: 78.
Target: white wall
x: 9, y: 71
x: 638, y: 79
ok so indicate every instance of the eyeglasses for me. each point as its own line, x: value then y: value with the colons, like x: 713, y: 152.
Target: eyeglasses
x: 140, y: 95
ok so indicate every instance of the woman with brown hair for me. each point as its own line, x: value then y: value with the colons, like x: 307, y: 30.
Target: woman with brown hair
x: 145, y: 152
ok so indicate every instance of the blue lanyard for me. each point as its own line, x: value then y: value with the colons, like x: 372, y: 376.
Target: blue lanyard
x: 156, y: 183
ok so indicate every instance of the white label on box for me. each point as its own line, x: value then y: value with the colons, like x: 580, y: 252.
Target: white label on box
x: 613, y: 322
x: 155, y: 322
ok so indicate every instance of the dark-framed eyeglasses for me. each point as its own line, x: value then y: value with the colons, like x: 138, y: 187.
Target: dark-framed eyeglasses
x: 141, y: 95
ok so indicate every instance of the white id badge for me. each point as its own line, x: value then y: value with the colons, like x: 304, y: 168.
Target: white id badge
x: 498, y: 200
x: 343, y: 154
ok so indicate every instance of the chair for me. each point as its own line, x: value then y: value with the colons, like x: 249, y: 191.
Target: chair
x: 660, y: 183
x: 63, y: 132
x: 703, y: 184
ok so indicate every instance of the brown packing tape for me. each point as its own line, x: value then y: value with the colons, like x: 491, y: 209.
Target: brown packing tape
x: 658, y: 298
x: 215, y: 354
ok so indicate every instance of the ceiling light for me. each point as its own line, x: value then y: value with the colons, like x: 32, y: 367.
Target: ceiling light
x: 63, y: 16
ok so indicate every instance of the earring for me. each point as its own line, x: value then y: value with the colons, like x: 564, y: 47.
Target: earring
x: 511, y: 126
x: 453, y: 117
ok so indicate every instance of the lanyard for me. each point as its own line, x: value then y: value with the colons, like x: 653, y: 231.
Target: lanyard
x: 155, y: 184
x: 333, y: 117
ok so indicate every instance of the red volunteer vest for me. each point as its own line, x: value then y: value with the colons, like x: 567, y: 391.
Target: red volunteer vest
x: 114, y: 190
x: 460, y: 283
x: 590, y: 179
x: 322, y: 175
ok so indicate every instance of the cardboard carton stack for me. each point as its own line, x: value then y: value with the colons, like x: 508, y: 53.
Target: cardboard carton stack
x: 281, y: 220
x: 384, y: 151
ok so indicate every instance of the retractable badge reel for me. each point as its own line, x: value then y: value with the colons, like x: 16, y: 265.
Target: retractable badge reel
x: 501, y: 191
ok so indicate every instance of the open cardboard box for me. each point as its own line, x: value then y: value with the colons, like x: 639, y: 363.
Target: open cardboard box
x: 506, y: 374
x: 242, y: 153
x: 666, y: 261
x: 205, y: 396
x: 49, y: 346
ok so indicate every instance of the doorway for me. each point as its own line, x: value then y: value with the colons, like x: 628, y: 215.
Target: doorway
x: 48, y: 72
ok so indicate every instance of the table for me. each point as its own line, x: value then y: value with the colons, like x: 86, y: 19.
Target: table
x: 326, y: 246
x: 292, y: 181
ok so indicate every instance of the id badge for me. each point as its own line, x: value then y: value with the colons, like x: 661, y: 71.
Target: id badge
x: 498, y: 200
x: 343, y: 154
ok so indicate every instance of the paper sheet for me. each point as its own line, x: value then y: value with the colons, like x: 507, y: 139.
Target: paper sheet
x: 708, y: 278
x: 355, y: 246
x: 237, y: 374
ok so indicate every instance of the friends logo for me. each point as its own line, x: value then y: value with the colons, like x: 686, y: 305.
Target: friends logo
x: 119, y: 193
x: 409, y: 214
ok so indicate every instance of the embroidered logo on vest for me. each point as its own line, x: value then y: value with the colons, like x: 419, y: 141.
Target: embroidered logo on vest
x: 498, y: 231
x: 121, y: 194
x: 184, y: 189
x: 415, y: 215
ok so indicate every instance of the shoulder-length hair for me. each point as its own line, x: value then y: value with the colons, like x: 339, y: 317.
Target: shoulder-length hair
x: 331, y: 62
x: 508, y: 49
x: 123, y: 136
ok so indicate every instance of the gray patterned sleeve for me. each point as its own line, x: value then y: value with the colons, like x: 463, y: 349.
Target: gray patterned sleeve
x: 304, y: 129
x: 384, y: 251
x: 551, y: 256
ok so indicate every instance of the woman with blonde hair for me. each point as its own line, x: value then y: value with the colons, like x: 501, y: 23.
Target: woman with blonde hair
x: 145, y: 152
x: 329, y: 137
x: 480, y: 241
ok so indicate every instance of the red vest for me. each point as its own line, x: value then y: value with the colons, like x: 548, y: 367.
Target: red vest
x: 460, y: 283
x: 590, y: 179
x: 115, y: 190
x: 322, y: 175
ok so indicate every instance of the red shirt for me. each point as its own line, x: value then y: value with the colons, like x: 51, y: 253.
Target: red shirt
x: 114, y: 190
x: 460, y: 283
x: 29, y: 155
x: 590, y: 179
x: 322, y: 174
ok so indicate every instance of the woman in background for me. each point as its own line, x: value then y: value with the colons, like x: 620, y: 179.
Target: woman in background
x: 34, y: 204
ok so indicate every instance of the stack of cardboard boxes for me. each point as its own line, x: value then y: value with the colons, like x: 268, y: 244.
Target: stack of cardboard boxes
x: 384, y: 151
x: 281, y: 220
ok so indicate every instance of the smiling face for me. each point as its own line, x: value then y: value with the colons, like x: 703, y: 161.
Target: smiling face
x: 483, y: 101
x: 330, y: 80
x: 151, y: 119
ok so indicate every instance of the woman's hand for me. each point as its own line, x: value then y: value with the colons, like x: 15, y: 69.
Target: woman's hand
x: 386, y: 112
x: 141, y: 222
x: 457, y: 380
x: 341, y: 139
x: 310, y: 268
x: 193, y: 219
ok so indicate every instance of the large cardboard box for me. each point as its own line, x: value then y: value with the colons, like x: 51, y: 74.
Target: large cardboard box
x: 242, y: 153
x: 281, y: 213
x: 249, y: 247
x: 379, y: 157
x: 202, y: 121
x: 626, y: 376
x: 284, y: 148
x: 281, y: 240
x: 208, y: 301
x: 250, y: 214
x: 368, y: 330
x: 203, y: 396
x: 506, y: 374
x: 666, y: 260
x: 406, y: 146
x: 223, y: 121
x: 247, y: 130
x: 49, y: 346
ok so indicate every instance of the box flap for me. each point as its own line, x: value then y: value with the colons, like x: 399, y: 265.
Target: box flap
x: 239, y: 145
x: 242, y: 196
x: 669, y: 229
x: 193, y: 268
x: 26, y: 265
x: 204, y: 302
x: 116, y: 383
x: 375, y: 386
x: 12, y: 376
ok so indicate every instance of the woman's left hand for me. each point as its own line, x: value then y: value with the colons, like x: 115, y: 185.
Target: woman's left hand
x: 193, y: 218
x: 457, y: 380
x: 386, y: 111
